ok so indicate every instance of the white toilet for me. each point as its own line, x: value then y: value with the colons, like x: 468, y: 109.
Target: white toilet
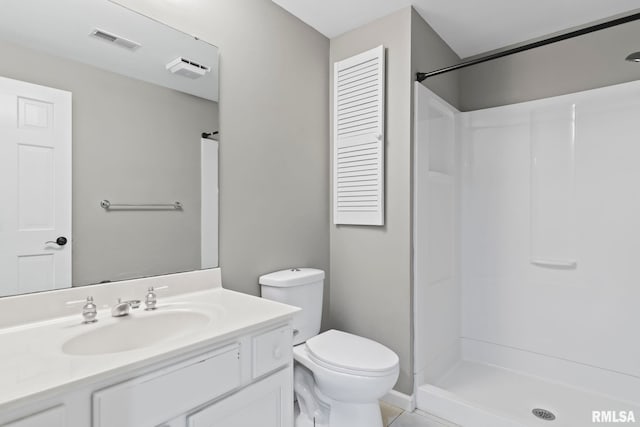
x: 339, y: 377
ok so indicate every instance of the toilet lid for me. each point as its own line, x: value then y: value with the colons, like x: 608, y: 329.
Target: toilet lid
x: 351, y: 352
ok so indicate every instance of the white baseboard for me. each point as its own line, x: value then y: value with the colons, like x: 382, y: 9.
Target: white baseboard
x: 400, y: 400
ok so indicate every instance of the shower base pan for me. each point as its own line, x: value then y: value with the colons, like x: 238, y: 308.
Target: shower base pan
x: 479, y: 395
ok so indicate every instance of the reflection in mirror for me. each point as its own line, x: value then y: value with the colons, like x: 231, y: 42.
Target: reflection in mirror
x: 102, y: 118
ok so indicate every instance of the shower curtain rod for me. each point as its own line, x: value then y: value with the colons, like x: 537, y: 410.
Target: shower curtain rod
x: 608, y: 24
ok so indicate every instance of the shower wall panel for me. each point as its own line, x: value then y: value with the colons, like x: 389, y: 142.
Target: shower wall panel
x: 435, y: 227
x: 584, y: 310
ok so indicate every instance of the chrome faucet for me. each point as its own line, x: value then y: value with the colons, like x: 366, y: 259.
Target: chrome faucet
x: 122, y: 308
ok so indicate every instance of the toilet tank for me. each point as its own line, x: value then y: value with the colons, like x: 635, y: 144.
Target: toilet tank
x: 300, y: 287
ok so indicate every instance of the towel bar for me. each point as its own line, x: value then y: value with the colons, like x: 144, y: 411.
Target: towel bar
x: 108, y: 205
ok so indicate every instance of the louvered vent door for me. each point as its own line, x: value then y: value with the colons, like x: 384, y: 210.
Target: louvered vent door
x: 358, y: 154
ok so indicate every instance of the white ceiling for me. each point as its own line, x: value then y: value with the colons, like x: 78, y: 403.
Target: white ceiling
x: 470, y: 27
x: 62, y: 28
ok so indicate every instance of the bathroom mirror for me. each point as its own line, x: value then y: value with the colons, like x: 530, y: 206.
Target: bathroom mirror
x: 109, y: 168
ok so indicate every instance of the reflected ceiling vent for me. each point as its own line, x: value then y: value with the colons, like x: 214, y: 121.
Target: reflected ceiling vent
x: 187, y: 68
x: 114, y: 39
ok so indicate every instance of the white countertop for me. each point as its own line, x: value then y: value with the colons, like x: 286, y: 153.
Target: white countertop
x: 32, y: 363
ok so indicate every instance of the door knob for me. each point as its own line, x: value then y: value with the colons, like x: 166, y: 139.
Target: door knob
x: 60, y: 241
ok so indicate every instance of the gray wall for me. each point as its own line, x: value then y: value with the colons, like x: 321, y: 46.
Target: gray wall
x: 274, y: 144
x: 370, y: 281
x: 429, y: 52
x: 371, y: 266
x: 132, y: 142
x: 582, y: 63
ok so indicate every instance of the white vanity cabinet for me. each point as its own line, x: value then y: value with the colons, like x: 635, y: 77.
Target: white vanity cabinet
x: 241, y: 382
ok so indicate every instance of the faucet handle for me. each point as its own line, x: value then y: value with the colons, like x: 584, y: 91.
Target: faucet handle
x: 151, y: 299
x: 89, y: 311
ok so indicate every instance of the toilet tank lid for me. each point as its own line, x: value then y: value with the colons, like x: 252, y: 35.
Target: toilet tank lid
x: 292, y: 277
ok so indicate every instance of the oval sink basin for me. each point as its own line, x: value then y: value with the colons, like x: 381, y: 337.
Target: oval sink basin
x: 134, y: 332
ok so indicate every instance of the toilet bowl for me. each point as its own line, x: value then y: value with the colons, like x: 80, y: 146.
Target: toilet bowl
x: 351, y: 374
x: 339, y: 377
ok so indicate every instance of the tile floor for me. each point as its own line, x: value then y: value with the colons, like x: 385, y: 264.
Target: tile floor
x: 396, y: 417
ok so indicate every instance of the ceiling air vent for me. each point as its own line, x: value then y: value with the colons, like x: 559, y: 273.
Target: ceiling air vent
x: 114, y: 39
x: 187, y: 68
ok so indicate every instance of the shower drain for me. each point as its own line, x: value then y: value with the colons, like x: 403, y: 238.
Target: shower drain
x: 543, y: 414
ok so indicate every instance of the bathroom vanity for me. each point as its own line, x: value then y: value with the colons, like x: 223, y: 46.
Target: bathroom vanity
x: 205, y: 357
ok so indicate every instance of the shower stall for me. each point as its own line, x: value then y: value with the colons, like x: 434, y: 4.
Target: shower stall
x: 526, y: 249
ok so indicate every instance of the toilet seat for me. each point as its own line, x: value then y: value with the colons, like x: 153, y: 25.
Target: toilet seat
x: 351, y: 354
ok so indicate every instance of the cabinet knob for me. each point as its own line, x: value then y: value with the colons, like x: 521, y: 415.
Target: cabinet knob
x: 277, y: 352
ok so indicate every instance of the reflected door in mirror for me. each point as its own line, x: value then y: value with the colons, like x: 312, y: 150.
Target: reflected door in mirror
x: 35, y: 187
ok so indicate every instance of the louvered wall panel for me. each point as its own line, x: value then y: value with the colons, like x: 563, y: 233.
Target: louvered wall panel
x: 358, y: 158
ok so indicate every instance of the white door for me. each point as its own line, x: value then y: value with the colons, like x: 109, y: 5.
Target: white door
x: 35, y: 188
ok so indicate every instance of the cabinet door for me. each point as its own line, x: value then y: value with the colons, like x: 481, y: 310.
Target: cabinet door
x: 54, y: 417
x: 267, y: 403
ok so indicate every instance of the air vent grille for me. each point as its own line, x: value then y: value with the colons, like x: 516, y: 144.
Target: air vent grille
x: 105, y: 36
x: 187, y: 68
x: 114, y: 39
x: 358, y: 187
x: 195, y: 64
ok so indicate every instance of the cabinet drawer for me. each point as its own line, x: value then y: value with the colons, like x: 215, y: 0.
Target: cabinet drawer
x: 54, y: 417
x: 152, y: 399
x: 272, y: 350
